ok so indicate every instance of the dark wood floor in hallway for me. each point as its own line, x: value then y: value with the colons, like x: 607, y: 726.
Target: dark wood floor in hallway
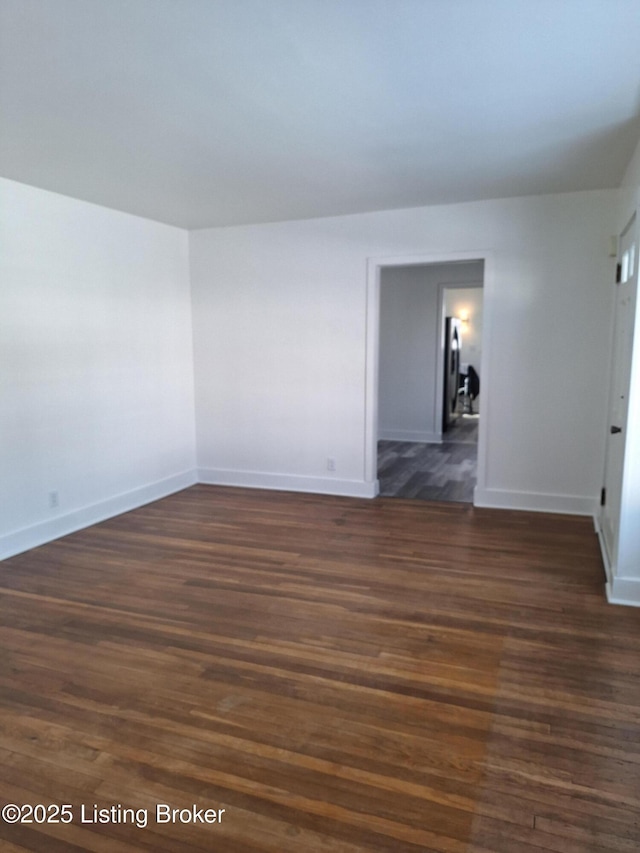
x: 336, y: 674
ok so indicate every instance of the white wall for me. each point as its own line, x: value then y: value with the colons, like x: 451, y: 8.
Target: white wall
x: 410, y: 337
x: 96, y: 383
x: 630, y: 186
x: 96, y: 351
x: 280, y: 343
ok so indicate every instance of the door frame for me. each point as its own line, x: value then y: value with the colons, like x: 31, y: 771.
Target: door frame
x: 622, y: 567
x: 372, y: 354
x: 611, y: 547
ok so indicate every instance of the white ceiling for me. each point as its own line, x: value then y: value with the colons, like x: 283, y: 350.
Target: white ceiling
x: 218, y: 112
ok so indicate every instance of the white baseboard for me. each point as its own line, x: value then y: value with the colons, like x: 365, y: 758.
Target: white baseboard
x: 288, y: 483
x: 534, y: 502
x: 46, y: 531
x: 624, y: 591
x: 410, y: 435
x: 619, y: 590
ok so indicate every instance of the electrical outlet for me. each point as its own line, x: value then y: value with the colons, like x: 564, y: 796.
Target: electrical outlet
x: 331, y: 464
x: 54, y: 500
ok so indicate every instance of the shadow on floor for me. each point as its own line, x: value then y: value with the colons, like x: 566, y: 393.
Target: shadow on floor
x: 432, y: 472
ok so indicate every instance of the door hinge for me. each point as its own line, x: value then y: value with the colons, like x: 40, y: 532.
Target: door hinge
x: 618, y: 273
x: 603, y: 496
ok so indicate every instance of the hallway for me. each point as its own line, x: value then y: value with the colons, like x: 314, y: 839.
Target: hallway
x: 435, y: 472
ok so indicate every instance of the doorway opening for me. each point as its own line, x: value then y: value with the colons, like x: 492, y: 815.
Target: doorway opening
x: 426, y: 328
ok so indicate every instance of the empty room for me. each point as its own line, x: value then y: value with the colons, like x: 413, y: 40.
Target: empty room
x: 253, y: 255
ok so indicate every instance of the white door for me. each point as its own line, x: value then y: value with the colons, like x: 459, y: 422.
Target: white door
x: 626, y: 290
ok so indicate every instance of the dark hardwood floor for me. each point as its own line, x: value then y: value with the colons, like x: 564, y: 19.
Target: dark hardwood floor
x: 336, y: 674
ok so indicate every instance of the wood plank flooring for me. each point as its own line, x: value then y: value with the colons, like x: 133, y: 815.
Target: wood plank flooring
x: 336, y: 674
x: 432, y: 472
